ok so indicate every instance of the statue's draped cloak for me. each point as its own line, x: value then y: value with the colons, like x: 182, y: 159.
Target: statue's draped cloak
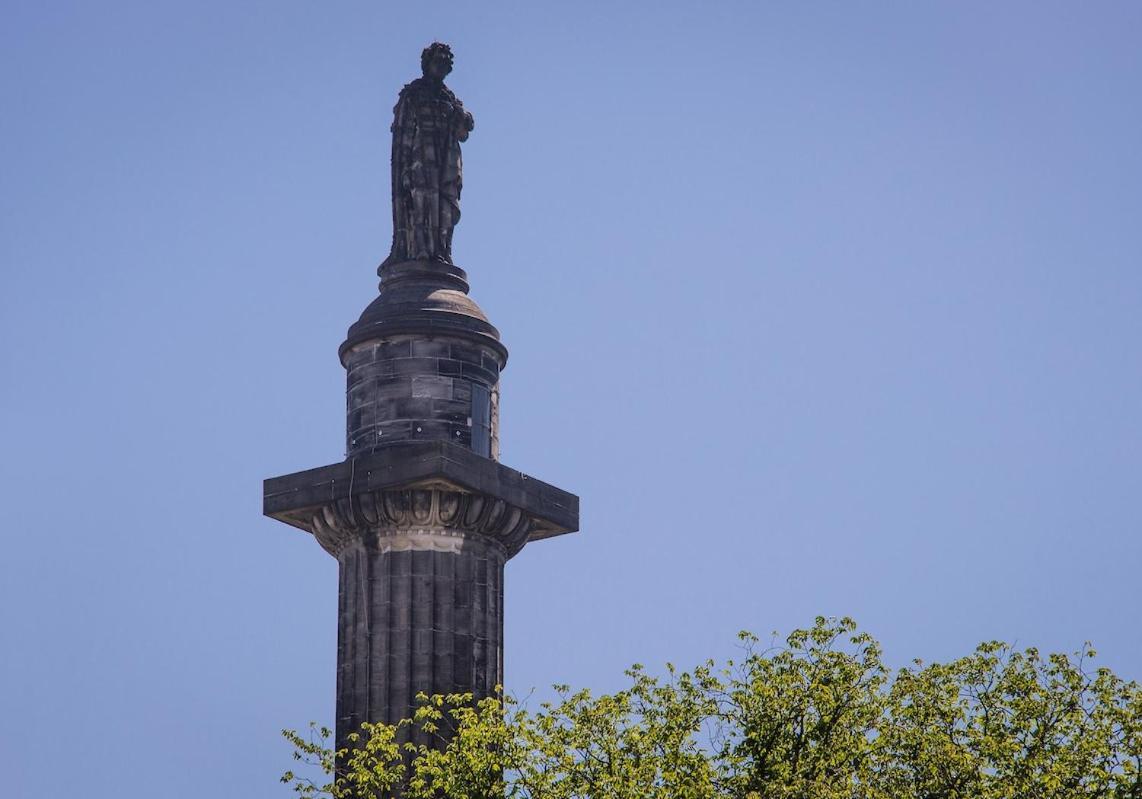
x: 429, y: 122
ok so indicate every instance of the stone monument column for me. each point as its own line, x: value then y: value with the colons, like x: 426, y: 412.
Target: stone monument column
x: 420, y: 515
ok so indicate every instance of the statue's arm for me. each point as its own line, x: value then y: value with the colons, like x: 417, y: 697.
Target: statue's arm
x: 404, y: 124
x: 464, y: 121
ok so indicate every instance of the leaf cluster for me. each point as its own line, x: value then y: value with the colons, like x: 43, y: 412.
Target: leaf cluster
x: 818, y: 716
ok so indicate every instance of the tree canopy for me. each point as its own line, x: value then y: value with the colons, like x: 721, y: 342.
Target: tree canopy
x: 819, y: 716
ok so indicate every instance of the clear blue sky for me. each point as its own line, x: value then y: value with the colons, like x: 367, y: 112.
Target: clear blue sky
x: 821, y: 309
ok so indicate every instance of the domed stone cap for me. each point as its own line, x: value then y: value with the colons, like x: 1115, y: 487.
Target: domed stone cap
x: 424, y: 298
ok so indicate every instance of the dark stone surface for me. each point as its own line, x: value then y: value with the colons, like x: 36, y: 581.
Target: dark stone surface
x: 420, y: 391
x: 420, y: 515
x: 422, y: 339
x: 424, y: 300
x: 429, y: 123
x: 294, y: 498
x: 415, y: 621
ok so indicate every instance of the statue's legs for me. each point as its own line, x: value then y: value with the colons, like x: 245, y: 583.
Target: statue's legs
x: 447, y: 224
x: 422, y: 202
x: 432, y: 231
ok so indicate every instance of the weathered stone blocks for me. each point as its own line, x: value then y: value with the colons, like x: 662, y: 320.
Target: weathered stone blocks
x: 436, y: 389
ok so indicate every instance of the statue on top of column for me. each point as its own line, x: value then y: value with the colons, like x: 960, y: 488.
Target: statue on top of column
x: 429, y: 122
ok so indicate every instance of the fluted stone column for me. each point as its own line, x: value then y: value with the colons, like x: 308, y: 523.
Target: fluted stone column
x: 420, y: 604
x: 420, y: 516
x: 412, y: 617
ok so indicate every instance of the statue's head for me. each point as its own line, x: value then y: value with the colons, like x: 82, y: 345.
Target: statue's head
x: 436, y: 61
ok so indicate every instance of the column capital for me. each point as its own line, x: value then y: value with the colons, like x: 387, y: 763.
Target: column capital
x: 421, y: 518
x: 428, y: 485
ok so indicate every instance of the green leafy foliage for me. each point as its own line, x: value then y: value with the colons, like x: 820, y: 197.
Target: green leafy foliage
x: 818, y: 717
